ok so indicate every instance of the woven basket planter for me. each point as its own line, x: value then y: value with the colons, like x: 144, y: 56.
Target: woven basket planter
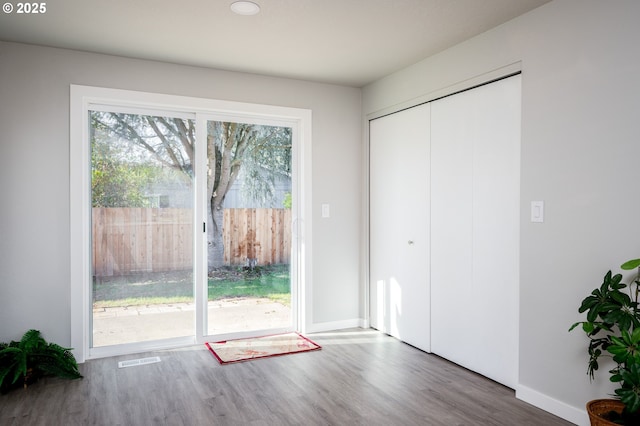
x: 599, y: 407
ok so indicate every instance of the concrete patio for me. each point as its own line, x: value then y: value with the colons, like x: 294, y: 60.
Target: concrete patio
x: 129, y: 324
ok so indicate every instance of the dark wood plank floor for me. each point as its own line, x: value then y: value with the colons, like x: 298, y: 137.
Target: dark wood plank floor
x: 360, y: 377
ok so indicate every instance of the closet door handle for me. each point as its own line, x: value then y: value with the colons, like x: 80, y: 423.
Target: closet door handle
x: 410, y: 242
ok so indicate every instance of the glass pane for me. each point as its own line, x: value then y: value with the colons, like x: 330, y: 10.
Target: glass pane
x: 249, y: 227
x: 142, y: 227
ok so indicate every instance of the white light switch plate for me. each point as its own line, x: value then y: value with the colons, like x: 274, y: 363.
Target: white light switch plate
x: 326, y: 210
x: 537, y: 211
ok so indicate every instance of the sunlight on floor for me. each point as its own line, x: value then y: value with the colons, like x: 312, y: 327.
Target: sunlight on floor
x: 349, y: 337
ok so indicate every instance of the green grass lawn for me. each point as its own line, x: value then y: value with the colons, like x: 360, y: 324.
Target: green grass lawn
x: 271, y: 282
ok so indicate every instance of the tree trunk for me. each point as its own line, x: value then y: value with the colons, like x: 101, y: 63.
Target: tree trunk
x: 215, y: 243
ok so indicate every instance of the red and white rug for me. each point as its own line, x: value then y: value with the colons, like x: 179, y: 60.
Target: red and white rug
x: 230, y: 351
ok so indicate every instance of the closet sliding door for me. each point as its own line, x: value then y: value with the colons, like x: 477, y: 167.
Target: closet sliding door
x: 399, y: 221
x: 475, y: 193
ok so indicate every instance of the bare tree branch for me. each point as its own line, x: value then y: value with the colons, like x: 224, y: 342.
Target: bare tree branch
x: 167, y: 145
x: 131, y: 133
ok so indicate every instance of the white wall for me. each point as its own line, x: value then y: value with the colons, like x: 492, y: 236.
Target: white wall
x: 580, y: 154
x: 34, y: 175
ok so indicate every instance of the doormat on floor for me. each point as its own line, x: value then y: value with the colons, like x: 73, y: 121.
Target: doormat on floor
x: 229, y: 351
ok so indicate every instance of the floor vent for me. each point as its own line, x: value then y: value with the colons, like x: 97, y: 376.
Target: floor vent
x: 139, y: 361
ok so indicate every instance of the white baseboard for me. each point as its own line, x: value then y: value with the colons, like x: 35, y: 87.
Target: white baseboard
x: 553, y: 406
x: 335, y: 325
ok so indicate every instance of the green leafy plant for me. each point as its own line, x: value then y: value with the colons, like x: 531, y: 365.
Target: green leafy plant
x: 287, y: 202
x: 613, y: 329
x: 23, y: 362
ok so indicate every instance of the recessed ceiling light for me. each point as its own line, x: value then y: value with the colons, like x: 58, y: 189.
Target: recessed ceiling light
x: 245, y: 8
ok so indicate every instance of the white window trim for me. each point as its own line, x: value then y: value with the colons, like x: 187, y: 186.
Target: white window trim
x: 81, y: 98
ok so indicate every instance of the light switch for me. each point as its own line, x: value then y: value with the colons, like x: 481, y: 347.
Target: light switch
x: 537, y: 211
x: 326, y: 212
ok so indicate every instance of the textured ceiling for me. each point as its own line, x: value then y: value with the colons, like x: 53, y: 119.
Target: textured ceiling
x: 348, y: 42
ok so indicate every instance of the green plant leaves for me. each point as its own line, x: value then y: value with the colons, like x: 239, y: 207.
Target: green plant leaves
x: 607, y: 305
x: 613, y: 328
x: 31, y: 341
x: 629, y: 393
x: 32, y: 355
x: 12, y: 364
x: 56, y: 360
x: 626, y: 348
x: 630, y: 264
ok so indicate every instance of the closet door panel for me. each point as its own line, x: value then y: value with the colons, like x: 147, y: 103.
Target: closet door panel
x: 451, y: 230
x: 475, y: 206
x: 496, y: 228
x: 399, y: 221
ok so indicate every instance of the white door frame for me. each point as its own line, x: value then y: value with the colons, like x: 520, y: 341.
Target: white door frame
x: 82, y: 98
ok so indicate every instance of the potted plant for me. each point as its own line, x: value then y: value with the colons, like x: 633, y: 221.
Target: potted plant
x: 613, y: 329
x: 23, y: 362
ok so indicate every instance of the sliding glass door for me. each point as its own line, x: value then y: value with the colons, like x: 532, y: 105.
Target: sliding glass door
x: 187, y: 226
x: 249, y: 221
x: 142, y: 215
x: 187, y: 220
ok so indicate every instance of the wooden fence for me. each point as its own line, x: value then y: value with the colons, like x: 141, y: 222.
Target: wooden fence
x: 135, y: 240
x: 262, y: 235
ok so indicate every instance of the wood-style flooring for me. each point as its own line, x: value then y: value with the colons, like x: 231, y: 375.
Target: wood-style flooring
x: 360, y: 377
